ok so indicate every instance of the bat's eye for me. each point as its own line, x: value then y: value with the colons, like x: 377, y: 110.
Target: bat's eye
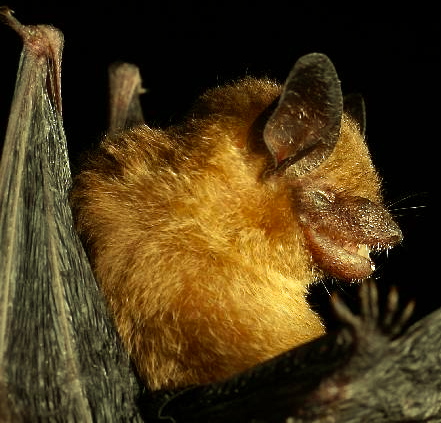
x: 323, y: 197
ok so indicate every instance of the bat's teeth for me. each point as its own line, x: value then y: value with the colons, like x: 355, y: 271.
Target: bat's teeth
x: 363, y: 250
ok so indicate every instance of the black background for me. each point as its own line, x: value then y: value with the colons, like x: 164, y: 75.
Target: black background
x: 388, y: 53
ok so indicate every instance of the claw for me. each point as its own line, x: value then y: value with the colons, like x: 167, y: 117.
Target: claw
x: 369, y: 301
x: 342, y: 311
x: 391, y: 321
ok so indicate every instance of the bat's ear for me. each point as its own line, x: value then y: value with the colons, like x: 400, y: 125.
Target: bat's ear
x: 355, y: 107
x: 305, y: 126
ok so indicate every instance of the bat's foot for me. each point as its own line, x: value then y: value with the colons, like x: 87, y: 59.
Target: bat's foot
x: 368, y: 341
x: 387, y: 321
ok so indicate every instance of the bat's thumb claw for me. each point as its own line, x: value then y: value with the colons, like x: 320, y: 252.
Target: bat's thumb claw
x: 7, y: 16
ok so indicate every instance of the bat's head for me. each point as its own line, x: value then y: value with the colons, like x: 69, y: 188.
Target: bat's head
x: 309, y: 147
x: 318, y: 149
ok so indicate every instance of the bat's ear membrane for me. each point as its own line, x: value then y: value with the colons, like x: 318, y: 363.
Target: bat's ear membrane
x: 305, y: 126
x: 355, y: 107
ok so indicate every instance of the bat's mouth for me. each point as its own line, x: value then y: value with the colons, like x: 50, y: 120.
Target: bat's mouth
x: 341, y: 232
x: 344, y: 260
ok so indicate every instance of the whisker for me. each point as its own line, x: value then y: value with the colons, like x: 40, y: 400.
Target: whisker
x: 326, y: 288
x: 412, y: 196
x: 410, y: 207
x: 398, y: 209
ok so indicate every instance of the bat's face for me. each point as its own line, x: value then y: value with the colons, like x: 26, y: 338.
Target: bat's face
x: 340, y: 208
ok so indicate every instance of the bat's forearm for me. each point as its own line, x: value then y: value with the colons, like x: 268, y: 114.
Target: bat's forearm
x: 59, y: 354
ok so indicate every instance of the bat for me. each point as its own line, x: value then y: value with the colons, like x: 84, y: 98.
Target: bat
x: 74, y: 368
x: 205, y: 236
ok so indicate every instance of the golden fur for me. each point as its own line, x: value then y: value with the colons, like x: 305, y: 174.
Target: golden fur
x: 200, y: 256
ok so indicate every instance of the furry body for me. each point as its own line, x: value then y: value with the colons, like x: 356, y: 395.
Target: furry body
x: 199, y: 245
